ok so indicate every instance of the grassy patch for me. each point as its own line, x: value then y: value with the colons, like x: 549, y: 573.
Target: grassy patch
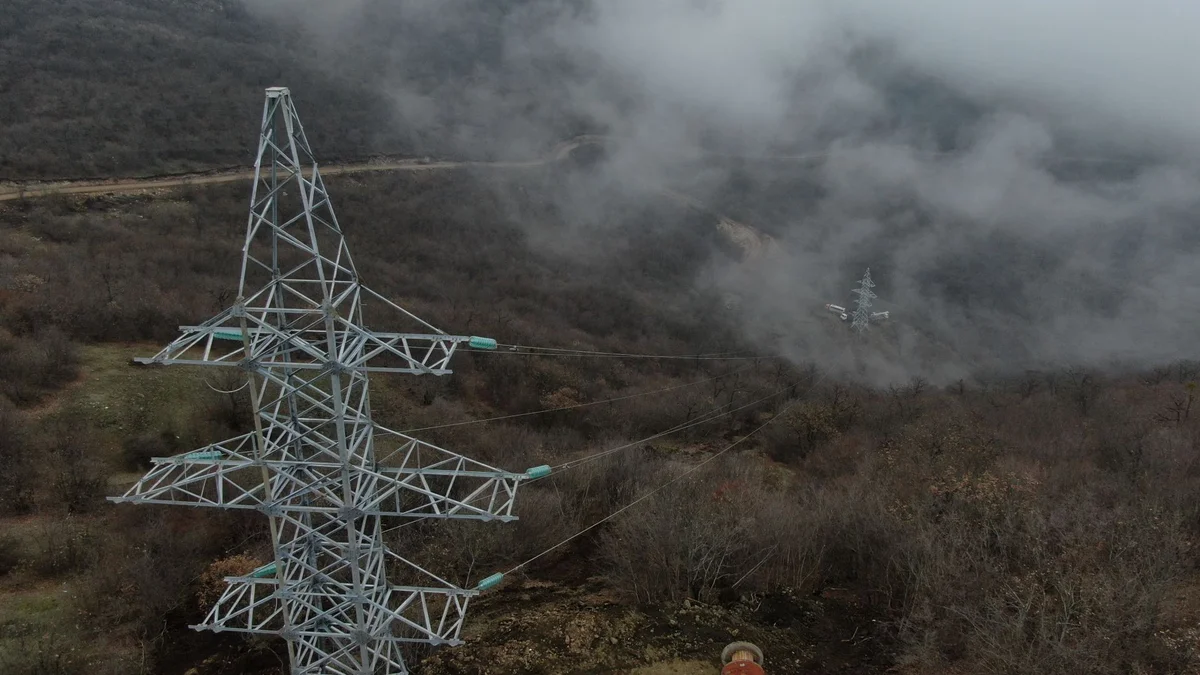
x: 31, y: 638
x: 117, y: 401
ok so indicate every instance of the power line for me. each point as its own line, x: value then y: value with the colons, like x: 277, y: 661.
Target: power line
x: 603, y: 353
x: 577, y: 405
x: 708, y: 416
x: 615, y: 355
x: 660, y: 488
x: 494, y: 579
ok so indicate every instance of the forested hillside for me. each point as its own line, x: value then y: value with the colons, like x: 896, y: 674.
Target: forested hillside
x: 1034, y: 523
x: 99, y: 88
x: 133, y: 87
x: 1002, y: 477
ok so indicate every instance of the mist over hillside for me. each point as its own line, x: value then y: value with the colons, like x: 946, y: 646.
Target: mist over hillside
x: 644, y: 203
x: 1019, y: 177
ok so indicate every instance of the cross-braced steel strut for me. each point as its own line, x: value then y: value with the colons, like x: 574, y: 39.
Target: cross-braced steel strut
x: 316, y: 465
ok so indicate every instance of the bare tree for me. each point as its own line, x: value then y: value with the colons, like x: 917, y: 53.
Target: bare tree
x: 1180, y: 407
x: 1082, y: 388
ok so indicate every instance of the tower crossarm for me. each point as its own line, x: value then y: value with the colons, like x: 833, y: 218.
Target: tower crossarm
x: 430, y: 613
x: 220, y: 342
x: 211, y: 476
x: 418, y: 479
x: 430, y: 493
x: 423, y: 481
x: 416, y: 353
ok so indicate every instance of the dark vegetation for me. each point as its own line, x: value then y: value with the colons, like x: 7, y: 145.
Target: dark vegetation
x: 1041, y: 522
x: 98, y: 88
x: 83, y: 89
x: 1029, y: 522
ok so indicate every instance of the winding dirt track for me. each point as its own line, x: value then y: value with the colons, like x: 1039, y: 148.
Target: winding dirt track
x: 126, y: 185
x: 752, y: 242
x: 23, y: 190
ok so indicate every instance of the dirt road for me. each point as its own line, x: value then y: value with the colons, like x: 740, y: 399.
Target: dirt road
x: 751, y: 241
x: 18, y: 190
x: 13, y: 191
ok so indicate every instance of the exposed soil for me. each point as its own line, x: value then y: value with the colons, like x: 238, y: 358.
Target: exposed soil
x: 531, y: 625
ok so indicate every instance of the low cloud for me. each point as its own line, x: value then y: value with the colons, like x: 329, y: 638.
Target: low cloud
x: 966, y: 153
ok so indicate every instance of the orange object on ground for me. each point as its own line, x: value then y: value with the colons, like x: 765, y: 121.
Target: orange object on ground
x: 741, y: 658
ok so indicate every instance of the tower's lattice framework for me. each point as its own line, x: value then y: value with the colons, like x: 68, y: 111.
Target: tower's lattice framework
x: 316, y: 465
x: 861, y: 319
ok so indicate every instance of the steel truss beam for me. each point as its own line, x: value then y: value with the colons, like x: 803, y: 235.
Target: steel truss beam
x: 316, y: 464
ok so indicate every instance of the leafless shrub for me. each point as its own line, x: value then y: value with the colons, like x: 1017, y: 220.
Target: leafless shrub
x: 230, y: 407
x: 79, y: 480
x: 137, y: 451
x: 1029, y: 383
x: 803, y: 429
x: 10, y: 553
x: 728, y: 529
x: 1120, y: 440
x: 682, y: 544
x: 1187, y: 371
x: 32, y: 366
x: 468, y: 550
x: 211, y: 583
x: 600, y: 486
x: 52, y: 653
x: 17, y: 467
x: 64, y: 547
x: 1179, y: 409
x: 907, y: 399
x: 844, y: 405
x: 1155, y: 376
x: 148, y: 568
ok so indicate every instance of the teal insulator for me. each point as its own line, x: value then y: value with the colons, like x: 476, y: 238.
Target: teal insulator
x: 264, y: 571
x: 203, y: 455
x: 490, y: 582
x: 228, y: 334
x: 482, y: 343
x: 538, y: 471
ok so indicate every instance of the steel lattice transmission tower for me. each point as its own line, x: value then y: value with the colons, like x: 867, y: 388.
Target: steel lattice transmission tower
x: 316, y: 465
x: 862, y: 307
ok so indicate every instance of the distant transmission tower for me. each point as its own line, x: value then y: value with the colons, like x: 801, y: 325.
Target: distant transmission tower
x: 862, y: 307
x: 316, y: 465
